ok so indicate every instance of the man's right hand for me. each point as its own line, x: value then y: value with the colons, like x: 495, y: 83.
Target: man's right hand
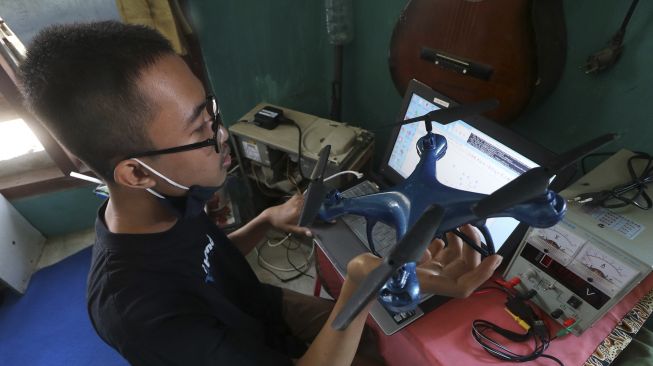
x: 455, y: 270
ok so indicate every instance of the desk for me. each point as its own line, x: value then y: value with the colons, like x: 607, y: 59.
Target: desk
x: 443, y: 336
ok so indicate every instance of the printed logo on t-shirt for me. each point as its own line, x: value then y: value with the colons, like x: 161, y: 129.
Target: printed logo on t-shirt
x: 206, y: 264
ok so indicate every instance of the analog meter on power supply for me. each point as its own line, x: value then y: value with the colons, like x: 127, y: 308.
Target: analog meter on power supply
x: 588, y: 262
x: 603, y: 270
x: 558, y: 242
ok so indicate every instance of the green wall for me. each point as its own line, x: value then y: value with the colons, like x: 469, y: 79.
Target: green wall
x: 370, y: 98
x: 238, y: 37
x: 60, y: 212
x: 617, y: 100
x: 272, y: 51
x: 277, y: 51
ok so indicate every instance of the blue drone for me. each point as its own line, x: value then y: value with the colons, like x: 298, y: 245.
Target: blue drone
x: 421, y: 208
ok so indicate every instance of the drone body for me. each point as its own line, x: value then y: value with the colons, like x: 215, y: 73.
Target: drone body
x: 402, y: 205
x: 421, y: 208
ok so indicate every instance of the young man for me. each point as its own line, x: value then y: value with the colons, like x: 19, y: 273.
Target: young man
x: 166, y: 285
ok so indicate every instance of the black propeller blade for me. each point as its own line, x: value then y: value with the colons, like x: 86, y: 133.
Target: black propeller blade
x: 535, y: 182
x: 447, y: 115
x: 316, y: 189
x: 565, y: 160
x: 409, y: 249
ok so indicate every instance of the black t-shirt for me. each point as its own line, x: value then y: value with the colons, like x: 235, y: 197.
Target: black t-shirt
x: 186, y: 296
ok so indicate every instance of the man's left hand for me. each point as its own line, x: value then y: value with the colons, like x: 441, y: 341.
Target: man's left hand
x: 456, y: 270
x: 284, y: 217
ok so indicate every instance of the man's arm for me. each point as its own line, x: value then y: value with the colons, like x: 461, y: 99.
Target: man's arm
x: 281, y: 217
x: 248, y: 236
x: 338, y: 347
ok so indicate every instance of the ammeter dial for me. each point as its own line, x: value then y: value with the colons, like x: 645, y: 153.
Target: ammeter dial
x: 604, y: 270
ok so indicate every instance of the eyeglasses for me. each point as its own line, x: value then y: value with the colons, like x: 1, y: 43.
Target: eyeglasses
x: 216, y: 125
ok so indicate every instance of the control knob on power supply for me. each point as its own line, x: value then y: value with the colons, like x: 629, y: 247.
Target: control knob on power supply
x: 550, y: 286
x: 556, y: 313
x: 532, y: 275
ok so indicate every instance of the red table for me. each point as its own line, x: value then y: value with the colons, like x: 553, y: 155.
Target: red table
x: 443, y: 336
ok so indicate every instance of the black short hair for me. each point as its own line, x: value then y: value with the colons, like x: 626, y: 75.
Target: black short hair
x: 80, y: 80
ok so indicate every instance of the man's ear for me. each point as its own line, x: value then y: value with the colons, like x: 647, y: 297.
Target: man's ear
x: 130, y: 173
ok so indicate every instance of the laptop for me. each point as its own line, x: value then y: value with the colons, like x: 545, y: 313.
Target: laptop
x: 481, y: 157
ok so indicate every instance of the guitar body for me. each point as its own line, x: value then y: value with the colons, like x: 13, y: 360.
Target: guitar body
x: 498, y: 34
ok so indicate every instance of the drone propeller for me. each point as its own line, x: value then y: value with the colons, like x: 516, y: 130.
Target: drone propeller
x: 409, y: 249
x: 316, y: 189
x: 447, y: 115
x: 535, y: 182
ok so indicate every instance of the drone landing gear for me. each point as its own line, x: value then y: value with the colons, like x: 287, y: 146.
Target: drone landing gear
x: 401, y: 292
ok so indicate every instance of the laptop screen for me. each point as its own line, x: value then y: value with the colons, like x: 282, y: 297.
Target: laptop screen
x: 481, y: 156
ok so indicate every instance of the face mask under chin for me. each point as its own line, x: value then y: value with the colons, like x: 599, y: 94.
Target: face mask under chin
x: 188, y: 206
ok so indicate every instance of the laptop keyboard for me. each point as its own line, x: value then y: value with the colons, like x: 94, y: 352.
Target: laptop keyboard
x: 384, y: 236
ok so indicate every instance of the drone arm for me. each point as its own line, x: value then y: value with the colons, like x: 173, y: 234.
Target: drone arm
x: 409, y: 249
x: 369, y: 228
x: 544, y: 211
x: 391, y: 208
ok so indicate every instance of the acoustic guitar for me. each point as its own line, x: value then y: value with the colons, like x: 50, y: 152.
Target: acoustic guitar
x: 511, y: 50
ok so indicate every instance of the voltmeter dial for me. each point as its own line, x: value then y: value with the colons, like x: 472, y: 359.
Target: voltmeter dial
x: 558, y: 241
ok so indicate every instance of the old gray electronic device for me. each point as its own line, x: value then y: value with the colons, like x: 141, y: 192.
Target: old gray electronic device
x: 266, y: 154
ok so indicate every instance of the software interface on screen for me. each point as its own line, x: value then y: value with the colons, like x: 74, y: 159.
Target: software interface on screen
x: 474, y: 161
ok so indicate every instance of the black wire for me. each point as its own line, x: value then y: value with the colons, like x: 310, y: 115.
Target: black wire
x: 301, y: 272
x: 445, y: 240
x: 370, y: 241
x: 541, y: 342
x: 622, y: 30
x: 299, y: 148
x: 638, y: 184
x: 538, y: 332
x: 470, y: 242
x: 283, y: 280
x: 582, y: 161
x: 488, y: 238
x: 373, y: 248
x: 630, y: 193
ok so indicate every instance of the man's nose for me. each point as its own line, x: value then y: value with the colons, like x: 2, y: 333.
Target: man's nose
x: 224, y: 134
